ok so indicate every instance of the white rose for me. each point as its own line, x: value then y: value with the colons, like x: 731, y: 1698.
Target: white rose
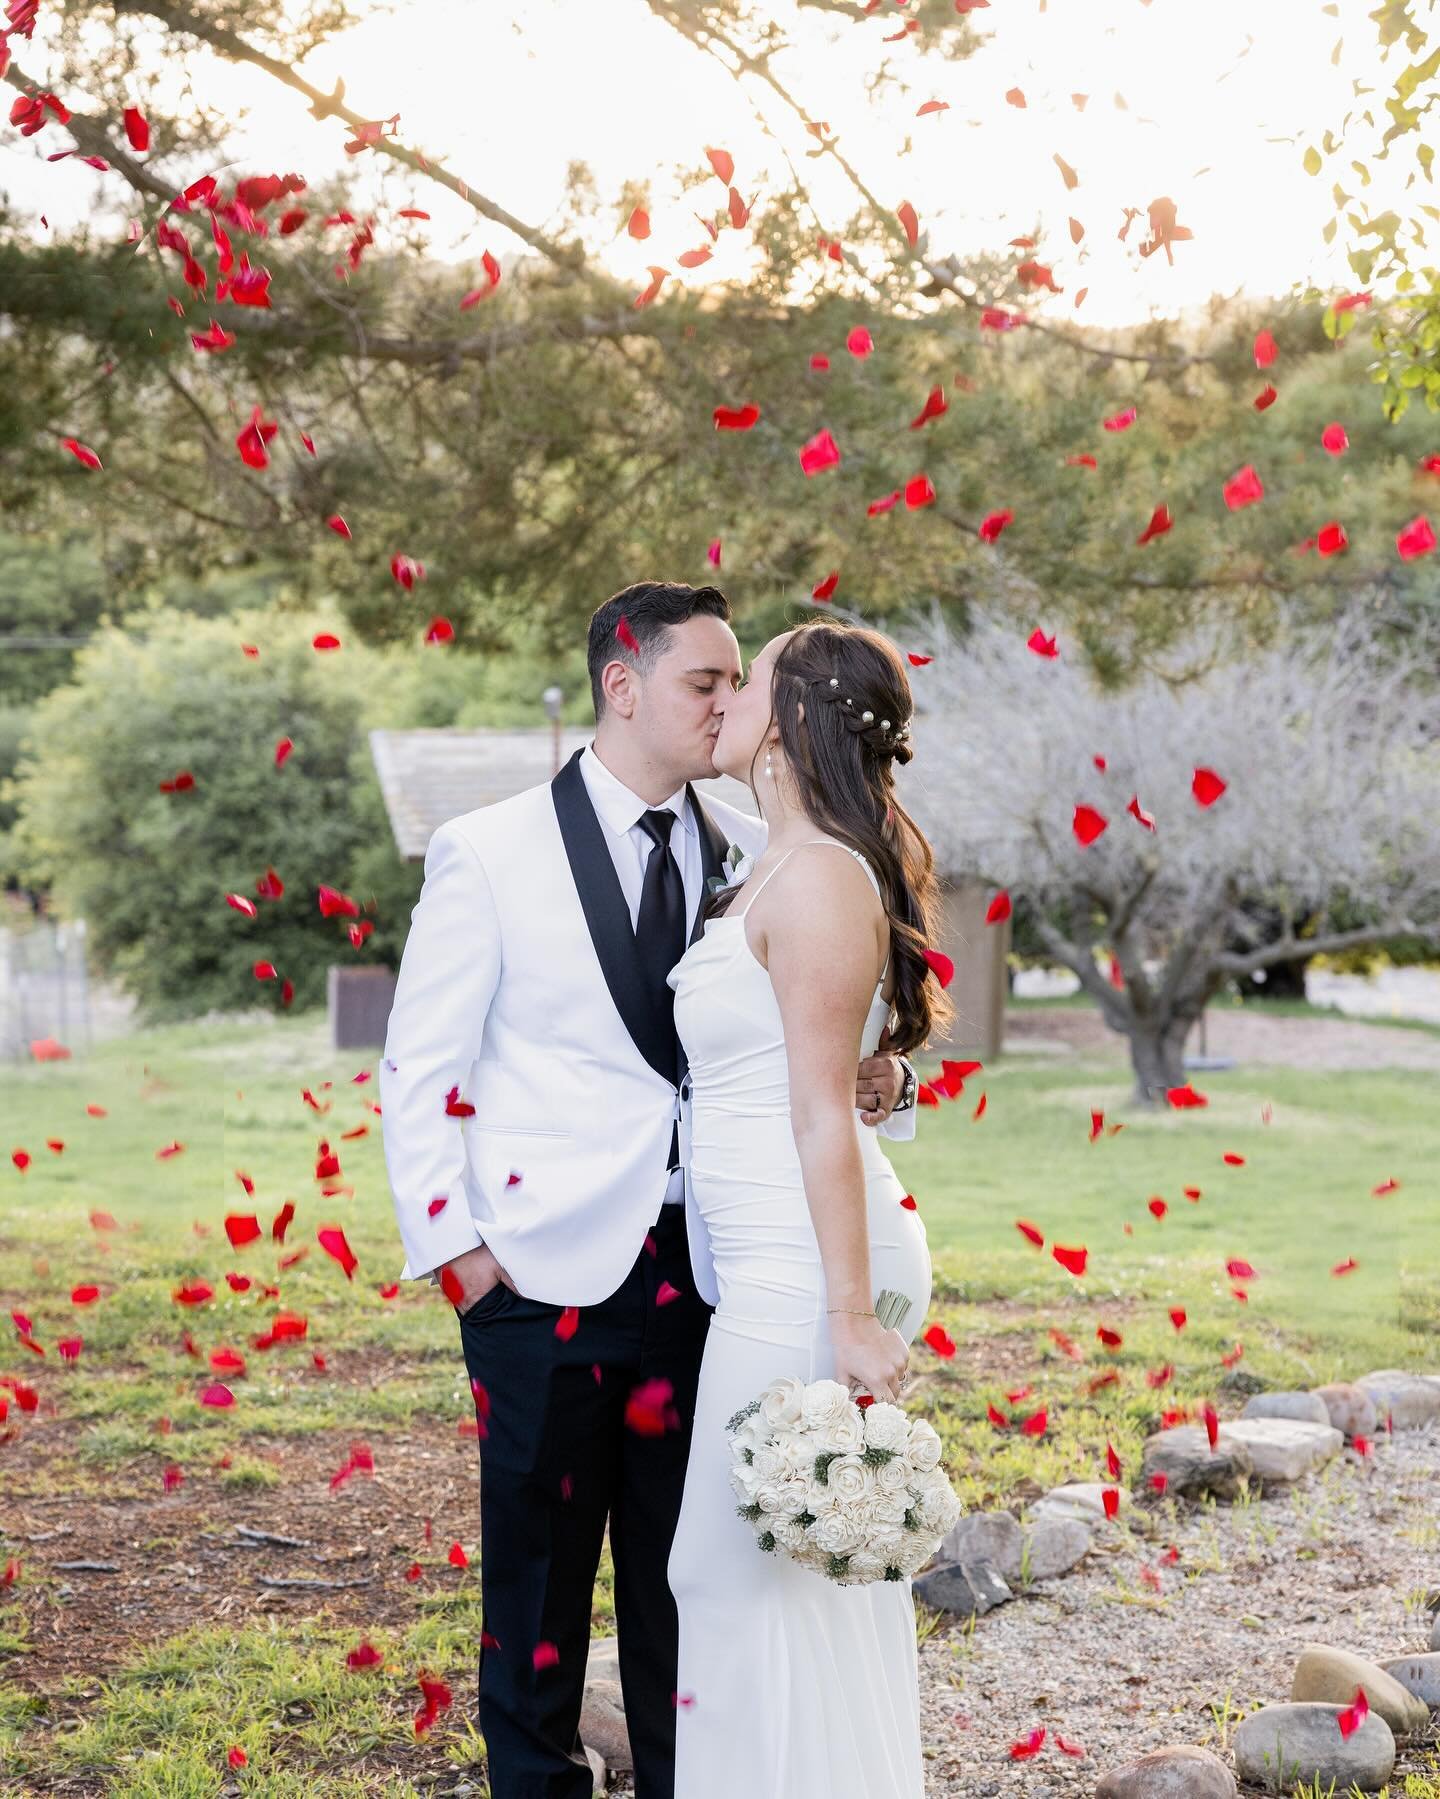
x: 894, y: 1477
x: 867, y: 1512
x: 797, y: 1452
x: 788, y: 1534
x: 865, y: 1565
x: 942, y: 1507
x: 769, y: 1464
x: 746, y: 1437
x: 886, y: 1426
x: 886, y: 1541
x: 743, y: 1482
x: 845, y: 1434
x: 823, y: 1403
x: 780, y: 1402
x: 923, y: 1449
x: 772, y: 1497
x: 819, y: 1498
x: 892, y: 1507
x: 848, y: 1479
x: 834, y: 1533
x: 916, y: 1551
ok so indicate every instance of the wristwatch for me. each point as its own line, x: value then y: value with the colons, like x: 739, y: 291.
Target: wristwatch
x: 910, y: 1089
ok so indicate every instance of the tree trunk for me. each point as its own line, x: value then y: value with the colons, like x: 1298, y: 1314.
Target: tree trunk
x: 1157, y: 1055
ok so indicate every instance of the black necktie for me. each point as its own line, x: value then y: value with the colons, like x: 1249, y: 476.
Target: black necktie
x: 660, y: 928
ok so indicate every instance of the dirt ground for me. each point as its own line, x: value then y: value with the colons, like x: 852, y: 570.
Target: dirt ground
x: 180, y: 1560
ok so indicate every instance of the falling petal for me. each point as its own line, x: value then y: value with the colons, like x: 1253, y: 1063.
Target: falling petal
x: 1243, y: 488
x: 820, y: 452
x: 1088, y: 824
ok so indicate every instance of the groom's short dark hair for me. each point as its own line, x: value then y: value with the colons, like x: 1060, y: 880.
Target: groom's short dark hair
x: 650, y: 609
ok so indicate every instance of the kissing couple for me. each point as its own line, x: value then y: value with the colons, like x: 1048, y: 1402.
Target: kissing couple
x: 640, y: 1055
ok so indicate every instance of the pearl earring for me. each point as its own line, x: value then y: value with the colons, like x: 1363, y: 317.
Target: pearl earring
x: 769, y: 771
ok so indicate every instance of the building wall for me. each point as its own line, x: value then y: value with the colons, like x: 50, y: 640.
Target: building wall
x: 978, y: 990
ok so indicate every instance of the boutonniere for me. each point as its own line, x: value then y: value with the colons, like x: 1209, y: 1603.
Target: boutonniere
x: 737, y: 866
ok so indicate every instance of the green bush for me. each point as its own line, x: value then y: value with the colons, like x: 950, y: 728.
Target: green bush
x: 149, y: 870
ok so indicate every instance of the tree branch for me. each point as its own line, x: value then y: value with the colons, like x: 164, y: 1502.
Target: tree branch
x: 235, y: 48
x: 1289, y: 948
x: 944, y: 273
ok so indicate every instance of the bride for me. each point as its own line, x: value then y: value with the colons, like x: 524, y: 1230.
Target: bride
x: 789, y: 1683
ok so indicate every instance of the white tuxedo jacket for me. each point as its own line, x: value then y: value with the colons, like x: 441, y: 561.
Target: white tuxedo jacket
x: 520, y: 986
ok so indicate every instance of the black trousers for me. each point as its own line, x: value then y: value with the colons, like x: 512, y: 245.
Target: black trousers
x: 581, y: 1430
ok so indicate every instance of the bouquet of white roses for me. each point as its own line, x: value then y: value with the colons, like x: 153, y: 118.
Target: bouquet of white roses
x: 857, y: 1493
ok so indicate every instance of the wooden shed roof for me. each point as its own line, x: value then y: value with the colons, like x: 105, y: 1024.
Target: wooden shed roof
x: 428, y: 776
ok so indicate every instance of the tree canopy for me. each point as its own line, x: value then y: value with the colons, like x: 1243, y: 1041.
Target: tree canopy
x: 276, y: 372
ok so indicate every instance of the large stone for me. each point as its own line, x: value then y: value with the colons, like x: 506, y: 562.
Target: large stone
x: 1082, y: 1499
x: 1178, y: 1771
x: 1309, y: 1408
x: 1435, y: 1632
x: 1409, y: 1399
x: 1418, y: 1674
x: 994, y: 1537
x: 1350, y: 1407
x: 1053, y: 1545
x: 1191, y: 1467
x: 964, y: 1589
x: 602, y: 1724
x: 1283, y: 1449
x: 1045, y: 1548
x: 1332, y: 1675
x: 603, y: 1660
x: 1281, y: 1745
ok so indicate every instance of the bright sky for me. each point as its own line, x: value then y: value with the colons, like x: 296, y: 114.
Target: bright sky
x: 1222, y: 96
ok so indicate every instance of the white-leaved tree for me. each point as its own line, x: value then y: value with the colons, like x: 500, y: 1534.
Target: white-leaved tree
x: 1328, y: 750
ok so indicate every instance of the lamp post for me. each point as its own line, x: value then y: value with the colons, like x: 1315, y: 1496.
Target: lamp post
x: 553, y: 699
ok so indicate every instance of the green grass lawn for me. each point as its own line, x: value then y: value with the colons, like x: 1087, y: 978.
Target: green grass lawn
x: 233, y: 1095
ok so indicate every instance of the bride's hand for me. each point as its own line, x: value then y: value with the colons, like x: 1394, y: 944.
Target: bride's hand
x: 868, y: 1358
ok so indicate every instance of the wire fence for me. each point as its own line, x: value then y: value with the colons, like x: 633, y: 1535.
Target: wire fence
x: 44, y: 987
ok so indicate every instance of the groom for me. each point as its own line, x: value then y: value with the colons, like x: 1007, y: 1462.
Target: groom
x: 530, y: 1096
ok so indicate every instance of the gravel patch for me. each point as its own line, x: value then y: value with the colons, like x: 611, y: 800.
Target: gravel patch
x: 1332, y: 1560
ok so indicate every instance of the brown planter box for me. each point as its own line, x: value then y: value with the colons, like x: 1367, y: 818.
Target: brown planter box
x: 358, y: 1001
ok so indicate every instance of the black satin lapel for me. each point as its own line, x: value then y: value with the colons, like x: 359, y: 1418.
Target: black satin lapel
x: 712, y: 858
x: 606, y: 914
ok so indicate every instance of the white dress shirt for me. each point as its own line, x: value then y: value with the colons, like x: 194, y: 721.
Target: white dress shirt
x: 619, y: 811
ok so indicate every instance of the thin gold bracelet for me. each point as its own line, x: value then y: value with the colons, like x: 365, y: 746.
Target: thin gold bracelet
x: 854, y: 1310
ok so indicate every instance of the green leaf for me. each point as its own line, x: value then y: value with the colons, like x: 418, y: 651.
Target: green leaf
x: 1312, y: 161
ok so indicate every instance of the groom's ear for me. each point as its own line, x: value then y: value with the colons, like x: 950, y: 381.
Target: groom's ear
x: 618, y: 684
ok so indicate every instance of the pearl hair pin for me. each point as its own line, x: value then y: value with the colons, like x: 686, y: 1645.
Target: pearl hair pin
x: 897, y: 734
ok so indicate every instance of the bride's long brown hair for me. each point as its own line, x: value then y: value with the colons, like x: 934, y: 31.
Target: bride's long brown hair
x: 841, y: 698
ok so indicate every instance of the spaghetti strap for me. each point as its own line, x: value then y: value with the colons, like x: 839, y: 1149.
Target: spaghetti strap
x: 833, y: 844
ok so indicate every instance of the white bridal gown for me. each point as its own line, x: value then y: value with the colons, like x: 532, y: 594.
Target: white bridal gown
x: 789, y: 1685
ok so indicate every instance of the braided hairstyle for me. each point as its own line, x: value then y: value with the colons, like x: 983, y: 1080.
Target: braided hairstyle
x: 841, y: 698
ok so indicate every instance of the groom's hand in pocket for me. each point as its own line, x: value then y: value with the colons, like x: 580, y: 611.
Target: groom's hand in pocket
x: 474, y: 1273
x: 879, y: 1082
